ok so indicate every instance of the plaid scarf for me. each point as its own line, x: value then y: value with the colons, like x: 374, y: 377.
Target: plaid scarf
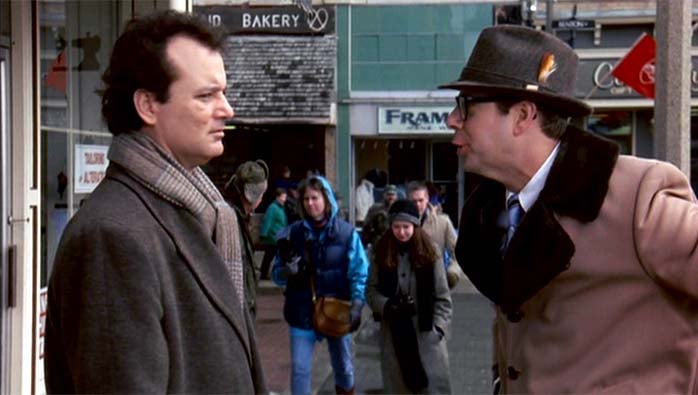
x: 193, y: 190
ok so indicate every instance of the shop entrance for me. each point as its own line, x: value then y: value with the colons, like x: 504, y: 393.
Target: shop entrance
x: 300, y: 147
x: 401, y: 160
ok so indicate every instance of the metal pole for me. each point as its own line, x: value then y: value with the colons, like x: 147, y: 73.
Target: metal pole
x: 672, y: 106
x: 549, y: 16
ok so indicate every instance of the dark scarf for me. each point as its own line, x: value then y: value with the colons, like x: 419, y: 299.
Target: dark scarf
x: 541, y: 249
x: 402, y: 329
x: 388, y: 286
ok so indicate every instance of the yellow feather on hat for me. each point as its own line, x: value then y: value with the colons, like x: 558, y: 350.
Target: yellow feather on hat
x: 547, y: 67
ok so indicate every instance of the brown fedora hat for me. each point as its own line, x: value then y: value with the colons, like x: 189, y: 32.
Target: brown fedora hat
x: 524, y: 63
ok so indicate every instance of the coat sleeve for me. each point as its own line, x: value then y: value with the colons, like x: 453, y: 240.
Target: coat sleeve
x: 104, y: 314
x: 450, y: 239
x: 443, y: 307
x: 374, y: 298
x: 666, y: 228
x: 266, y: 226
x: 358, y: 268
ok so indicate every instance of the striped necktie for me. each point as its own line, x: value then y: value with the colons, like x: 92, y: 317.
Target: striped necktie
x: 514, y: 214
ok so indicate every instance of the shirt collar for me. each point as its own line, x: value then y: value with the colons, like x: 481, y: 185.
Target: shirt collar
x: 529, y: 193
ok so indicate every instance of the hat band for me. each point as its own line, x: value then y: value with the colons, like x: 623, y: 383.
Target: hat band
x: 404, y: 217
x: 491, y: 77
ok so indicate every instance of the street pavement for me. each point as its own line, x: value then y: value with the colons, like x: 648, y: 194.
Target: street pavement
x: 469, y: 346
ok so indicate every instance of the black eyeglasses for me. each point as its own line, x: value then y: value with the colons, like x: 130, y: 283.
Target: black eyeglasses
x: 462, y: 103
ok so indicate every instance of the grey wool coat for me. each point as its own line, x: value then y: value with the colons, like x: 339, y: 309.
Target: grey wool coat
x: 432, y: 348
x: 139, y: 301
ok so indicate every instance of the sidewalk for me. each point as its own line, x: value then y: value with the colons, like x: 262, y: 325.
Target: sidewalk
x: 273, y: 343
x: 469, y: 346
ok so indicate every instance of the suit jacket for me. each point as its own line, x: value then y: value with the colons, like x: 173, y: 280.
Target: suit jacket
x: 139, y: 301
x: 598, y: 291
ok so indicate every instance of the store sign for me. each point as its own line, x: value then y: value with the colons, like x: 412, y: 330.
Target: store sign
x: 90, y: 166
x: 594, y: 76
x: 402, y: 120
x: 273, y: 20
x: 574, y: 24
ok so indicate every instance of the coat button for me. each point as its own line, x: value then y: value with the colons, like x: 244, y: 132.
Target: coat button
x: 513, y: 373
x: 515, y: 316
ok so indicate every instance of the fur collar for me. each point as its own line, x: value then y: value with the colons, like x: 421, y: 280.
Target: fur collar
x: 578, y: 180
x: 541, y: 249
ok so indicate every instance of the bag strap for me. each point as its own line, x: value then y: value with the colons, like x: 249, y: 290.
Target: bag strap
x: 311, y: 268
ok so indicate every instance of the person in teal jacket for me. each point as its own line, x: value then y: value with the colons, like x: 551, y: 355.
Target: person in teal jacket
x: 274, y: 220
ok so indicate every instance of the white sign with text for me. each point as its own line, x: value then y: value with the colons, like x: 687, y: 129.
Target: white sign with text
x: 90, y: 166
x: 413, y: 120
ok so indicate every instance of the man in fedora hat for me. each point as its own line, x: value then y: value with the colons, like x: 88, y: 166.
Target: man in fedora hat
x: 589, y: 256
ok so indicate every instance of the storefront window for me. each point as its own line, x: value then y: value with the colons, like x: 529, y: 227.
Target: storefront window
x: 616, y: 126
x: 75, y: 42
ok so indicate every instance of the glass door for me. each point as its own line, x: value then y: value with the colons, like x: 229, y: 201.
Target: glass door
x: 4, y: 214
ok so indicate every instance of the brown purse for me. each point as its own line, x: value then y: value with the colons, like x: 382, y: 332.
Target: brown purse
x: 331, y: 316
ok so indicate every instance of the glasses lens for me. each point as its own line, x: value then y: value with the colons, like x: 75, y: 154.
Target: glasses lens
x: 461, y: 104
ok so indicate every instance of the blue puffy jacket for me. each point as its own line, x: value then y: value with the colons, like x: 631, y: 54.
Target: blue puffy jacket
x: 338, y: 264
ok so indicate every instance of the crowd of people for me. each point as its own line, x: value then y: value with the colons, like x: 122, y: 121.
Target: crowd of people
x: 588, y: 257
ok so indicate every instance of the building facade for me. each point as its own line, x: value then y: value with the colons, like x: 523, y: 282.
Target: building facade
x: 391, y: 112
x: 346, y: 89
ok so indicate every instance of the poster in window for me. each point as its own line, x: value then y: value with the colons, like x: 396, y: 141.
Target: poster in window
x: 90, y: 166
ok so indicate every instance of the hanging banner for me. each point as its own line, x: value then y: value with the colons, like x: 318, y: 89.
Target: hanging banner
x: 90, y: 166
x: 636, y: 68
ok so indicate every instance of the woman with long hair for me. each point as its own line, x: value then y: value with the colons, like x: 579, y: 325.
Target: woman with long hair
x: 408, y: 293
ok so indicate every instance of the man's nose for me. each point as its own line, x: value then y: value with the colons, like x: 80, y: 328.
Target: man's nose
x: 453, y: 120
x: 225, y: 109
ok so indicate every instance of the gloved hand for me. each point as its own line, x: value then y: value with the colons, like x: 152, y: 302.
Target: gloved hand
x: 356, y: 307
x: 292, y: 265
x: 288, y: 256
x: 391, y: 308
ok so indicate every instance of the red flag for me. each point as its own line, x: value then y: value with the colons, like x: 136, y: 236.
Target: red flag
x: 636, y: 68
x: 56, y: 76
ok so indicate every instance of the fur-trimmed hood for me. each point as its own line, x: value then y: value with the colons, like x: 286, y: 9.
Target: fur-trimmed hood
x: 540, y: 249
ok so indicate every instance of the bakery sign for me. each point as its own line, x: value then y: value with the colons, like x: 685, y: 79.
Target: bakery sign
x: 269, y: 20
x: 594, y: 76
x: 413, y: 120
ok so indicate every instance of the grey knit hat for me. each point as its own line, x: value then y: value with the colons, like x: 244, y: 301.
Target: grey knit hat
x: 404, y: 210
x: 250, y: 179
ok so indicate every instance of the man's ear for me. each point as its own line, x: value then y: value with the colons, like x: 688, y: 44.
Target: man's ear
x: 146, y: 106
x: 526, y: 115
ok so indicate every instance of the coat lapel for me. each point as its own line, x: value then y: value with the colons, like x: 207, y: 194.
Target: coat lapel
x: 540, y: 249
x: 197, y: 250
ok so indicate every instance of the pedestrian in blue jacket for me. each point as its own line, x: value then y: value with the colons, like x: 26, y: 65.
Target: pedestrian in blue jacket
x: 326, y: 250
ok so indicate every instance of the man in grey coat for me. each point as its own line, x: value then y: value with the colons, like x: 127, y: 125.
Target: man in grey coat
x: 146, y: 293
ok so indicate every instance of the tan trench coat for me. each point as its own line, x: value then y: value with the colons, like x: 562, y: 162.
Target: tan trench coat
x: 619, y: 314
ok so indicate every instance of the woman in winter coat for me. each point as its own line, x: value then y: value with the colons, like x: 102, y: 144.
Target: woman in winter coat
x: 408, y: 292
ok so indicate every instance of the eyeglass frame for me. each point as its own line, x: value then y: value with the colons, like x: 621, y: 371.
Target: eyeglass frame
x: 462, y: 103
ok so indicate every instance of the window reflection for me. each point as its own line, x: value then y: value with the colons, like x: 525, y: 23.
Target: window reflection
x: 614, y: 125
x: 75, y: 38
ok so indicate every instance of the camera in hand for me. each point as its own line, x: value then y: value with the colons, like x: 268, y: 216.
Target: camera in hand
x: 406, y: 304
